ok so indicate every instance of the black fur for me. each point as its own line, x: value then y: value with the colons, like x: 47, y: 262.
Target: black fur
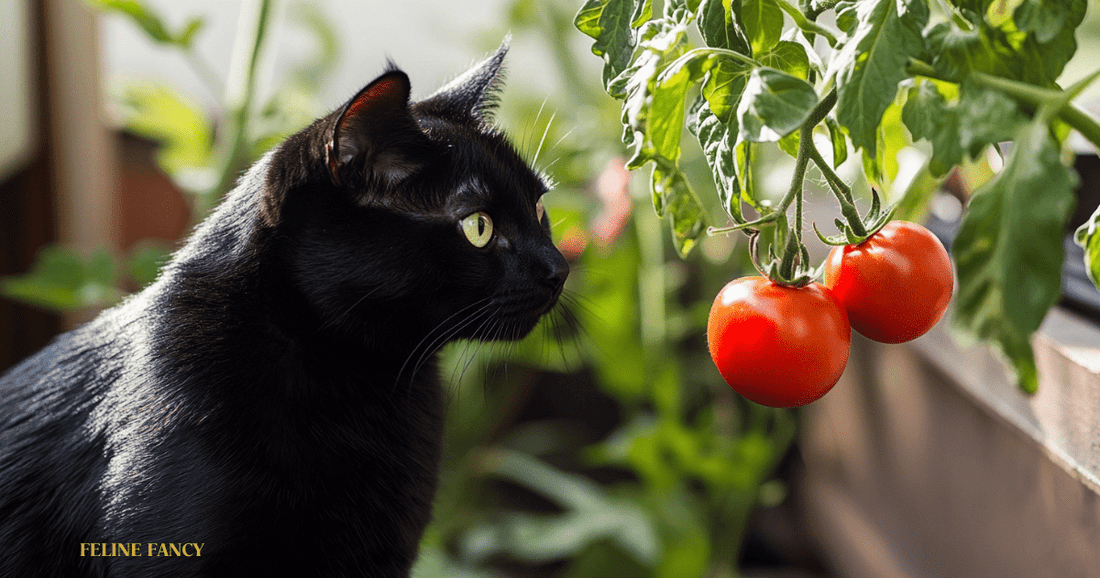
x: 274, y: 396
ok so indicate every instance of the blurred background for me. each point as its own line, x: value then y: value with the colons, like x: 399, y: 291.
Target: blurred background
x: 608, y: 446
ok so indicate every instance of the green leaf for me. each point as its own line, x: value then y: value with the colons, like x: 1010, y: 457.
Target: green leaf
x: 186, y: 37
x: 141, y: 14
x: 724, y: 84
x: 1045, y: 18
x: 674, y: 198
x: 788, y: 56
x: 890, y: 138
x: 839, y: 141
x: 986, y: 117
x: 981, y: 117
x: 720, y: 28
x: 1010, y: 260
x: 717, y: 139
x: 666, y: 110
x: 146, y: 260
x: 1087, y: 237
x: 977, y: 45
x: 161, y: 114
x: 928, y: 117
x: 63, y: 280
x: 645, y: 99
x: 774, y: 104
x: 611, y: 24
x: 763, y: 20
x: 590, y: 515
x: 789, y: 144
x: 150, y: 22
x: 871, y: 62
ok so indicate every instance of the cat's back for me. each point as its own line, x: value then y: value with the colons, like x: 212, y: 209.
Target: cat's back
x: 52, y: 450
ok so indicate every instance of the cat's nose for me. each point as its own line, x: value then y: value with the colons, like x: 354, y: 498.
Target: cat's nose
x: 557, y: 272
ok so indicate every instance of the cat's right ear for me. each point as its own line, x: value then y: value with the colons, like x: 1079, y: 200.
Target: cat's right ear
x: 373, y: 133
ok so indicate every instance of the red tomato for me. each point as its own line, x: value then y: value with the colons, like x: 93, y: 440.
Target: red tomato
x: 778, y: 346
x: 895, y: 285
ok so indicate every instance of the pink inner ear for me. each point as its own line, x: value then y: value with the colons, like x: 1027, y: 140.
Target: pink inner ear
x: 382, y: 92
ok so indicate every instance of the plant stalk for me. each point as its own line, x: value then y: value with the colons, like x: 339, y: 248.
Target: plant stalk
x: 807, y: 25
x: 235, y: 152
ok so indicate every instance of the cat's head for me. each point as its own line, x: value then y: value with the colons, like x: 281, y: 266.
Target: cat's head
x: 417, y: 220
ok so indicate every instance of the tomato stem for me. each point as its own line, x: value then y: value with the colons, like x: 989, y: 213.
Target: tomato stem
x: 842, y: 192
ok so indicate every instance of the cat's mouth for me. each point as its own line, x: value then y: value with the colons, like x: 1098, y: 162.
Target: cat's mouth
x: 517, y: 315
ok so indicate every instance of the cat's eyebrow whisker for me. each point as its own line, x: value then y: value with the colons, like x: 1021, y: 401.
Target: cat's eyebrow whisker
x: 546, y: 131
x: 563, y: 137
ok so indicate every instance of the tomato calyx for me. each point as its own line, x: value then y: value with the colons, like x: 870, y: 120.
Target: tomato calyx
x: 792, y: 268
x: 858, y: 229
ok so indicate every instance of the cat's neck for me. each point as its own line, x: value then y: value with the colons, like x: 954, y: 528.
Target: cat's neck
x: 232, y: 292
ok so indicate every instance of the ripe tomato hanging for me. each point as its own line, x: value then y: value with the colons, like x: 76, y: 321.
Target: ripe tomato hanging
x: 895, y: 285
x: 776, y: 345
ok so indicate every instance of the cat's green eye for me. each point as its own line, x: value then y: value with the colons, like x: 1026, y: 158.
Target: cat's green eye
x: 478, y: 229
x: 539, y: 210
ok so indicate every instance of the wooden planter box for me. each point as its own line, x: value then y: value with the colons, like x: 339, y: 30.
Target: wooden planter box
x: 925, y: 460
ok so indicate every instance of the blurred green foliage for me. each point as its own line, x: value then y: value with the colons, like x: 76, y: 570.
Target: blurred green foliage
x: 663, y: 478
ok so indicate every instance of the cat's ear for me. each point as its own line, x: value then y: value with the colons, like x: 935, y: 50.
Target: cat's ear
x: 374, y: 131
x: 474, y: 93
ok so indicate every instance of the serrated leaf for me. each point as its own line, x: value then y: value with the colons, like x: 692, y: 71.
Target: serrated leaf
x: 870, y: 64
x: 978, y: 46
x: 610, y: 24
x: 773, y: 105
x: 717, y: 139
x: 1010, y: 260
x: 721, y: 28
x: 662, y: 44
x: 666, y: 109
x: 1087, y: 237
x: 985, y: 117
x: 928, y: 117
x: 763, y: 20
x: 675, y: 200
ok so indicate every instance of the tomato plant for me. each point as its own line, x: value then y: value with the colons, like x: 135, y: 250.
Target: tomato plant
x: 829, y: 82
x: 895, y: 285
x: 776, y: 345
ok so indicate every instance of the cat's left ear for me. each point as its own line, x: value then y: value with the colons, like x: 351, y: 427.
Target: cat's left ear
x: 474, y: 93
x: 374, y: 129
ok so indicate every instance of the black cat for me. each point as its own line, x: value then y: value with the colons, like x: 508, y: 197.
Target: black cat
x: 271, y: 405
